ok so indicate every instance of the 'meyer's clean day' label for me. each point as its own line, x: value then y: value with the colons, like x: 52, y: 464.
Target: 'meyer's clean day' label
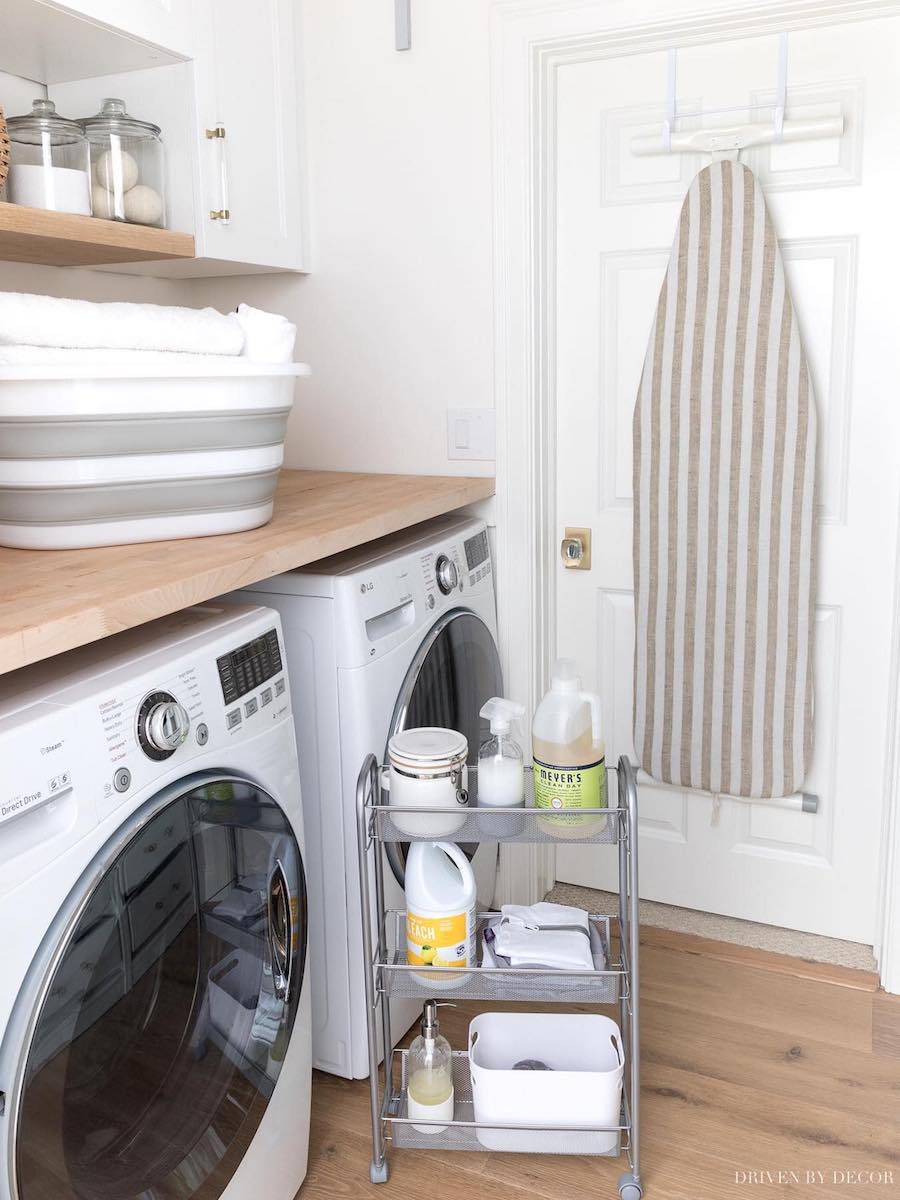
x: 563, y: 788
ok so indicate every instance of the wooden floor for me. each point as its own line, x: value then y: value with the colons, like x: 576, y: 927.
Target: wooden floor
x: 749, y: 1066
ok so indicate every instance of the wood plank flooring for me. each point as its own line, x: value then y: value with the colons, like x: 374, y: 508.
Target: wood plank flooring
x: 757, y: 1082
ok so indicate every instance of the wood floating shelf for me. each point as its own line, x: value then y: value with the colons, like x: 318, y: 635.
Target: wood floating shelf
x: 54, y: 239
x: 55, y: 600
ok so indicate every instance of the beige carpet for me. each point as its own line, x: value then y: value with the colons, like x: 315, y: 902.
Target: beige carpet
x: 724, y: 929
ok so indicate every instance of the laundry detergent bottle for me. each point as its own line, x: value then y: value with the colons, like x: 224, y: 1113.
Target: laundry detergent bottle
x: 569, y: 755
x: 440, y: 910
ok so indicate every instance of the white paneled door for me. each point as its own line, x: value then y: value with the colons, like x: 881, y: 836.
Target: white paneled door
x: 834, y: 204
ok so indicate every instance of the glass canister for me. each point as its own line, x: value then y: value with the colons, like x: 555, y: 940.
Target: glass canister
x: 49, y: 161
x: 127, y: 166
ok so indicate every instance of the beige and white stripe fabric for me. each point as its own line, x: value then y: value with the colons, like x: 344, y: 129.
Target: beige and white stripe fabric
x: 724, y: 514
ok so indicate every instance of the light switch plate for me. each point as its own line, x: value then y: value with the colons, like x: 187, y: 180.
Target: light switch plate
x: 471, y: 433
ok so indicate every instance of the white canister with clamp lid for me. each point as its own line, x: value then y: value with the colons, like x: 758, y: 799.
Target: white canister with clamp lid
x: 428, y: 770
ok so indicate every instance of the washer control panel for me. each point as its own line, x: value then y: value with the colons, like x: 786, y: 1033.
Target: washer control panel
x: 249, y: 666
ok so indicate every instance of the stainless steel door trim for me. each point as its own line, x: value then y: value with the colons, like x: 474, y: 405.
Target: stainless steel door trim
x: 30, y: 1000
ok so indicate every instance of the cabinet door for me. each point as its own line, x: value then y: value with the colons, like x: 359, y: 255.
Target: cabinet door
x: 246, y: 81
x: 165, y: 23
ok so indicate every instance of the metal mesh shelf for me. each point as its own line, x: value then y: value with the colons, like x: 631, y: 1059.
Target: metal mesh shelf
x: 462, y: 1132
x: 398, y: 978
x: 470, y: 824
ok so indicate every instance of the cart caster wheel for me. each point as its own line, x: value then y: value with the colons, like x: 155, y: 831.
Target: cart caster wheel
x: 629, y: 1188
x: 379, y: 1172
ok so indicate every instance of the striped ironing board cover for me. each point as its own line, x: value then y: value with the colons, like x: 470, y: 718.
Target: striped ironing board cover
x: 724, y: 513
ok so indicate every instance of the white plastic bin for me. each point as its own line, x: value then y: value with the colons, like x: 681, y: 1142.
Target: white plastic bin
x: 104, y: 454
x: 582, y: 1088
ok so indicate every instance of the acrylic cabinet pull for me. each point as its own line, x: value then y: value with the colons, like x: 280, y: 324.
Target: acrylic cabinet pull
x: 281, y: 931
x: 217, y: 135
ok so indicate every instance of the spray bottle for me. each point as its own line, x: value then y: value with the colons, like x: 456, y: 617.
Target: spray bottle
x: 501, y: 767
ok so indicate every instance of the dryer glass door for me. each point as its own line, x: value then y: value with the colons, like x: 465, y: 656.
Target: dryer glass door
x: 456, y: 671
x: 165, y: 1021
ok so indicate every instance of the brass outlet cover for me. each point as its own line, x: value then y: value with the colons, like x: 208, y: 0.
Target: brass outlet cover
x: 573, y: 537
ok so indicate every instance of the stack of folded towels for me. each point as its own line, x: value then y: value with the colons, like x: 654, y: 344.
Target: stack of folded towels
x: 45, y: 330
x: 552, y: 936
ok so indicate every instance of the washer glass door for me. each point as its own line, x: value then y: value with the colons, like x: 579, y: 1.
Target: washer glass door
x: 166, y: 1018
x: 456, y: 671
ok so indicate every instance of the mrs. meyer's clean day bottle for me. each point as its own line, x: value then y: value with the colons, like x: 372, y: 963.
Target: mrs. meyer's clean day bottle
x: 568, y: 754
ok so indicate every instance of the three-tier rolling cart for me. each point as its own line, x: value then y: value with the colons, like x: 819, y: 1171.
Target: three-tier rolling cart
x: 388, y: 975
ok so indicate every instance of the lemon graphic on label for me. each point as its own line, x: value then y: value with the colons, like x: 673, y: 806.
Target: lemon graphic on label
x: 428, y: 953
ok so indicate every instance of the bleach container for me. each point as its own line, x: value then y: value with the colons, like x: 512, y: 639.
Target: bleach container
x: 569, y: 755
x: 440, y: 910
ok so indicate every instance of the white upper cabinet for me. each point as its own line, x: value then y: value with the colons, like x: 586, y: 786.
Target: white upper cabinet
x: 220, y: 78
x: 248, y: 180
x: 165, y: 23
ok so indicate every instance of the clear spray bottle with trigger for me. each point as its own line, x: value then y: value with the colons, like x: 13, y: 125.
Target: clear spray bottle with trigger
x: 501, y: 767
x: 429, y: 1092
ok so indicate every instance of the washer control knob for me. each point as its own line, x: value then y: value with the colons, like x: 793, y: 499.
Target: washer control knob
x: 446, y: 574
x: 167, y: 725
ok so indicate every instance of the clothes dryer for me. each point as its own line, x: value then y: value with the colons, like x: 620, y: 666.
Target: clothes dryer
x: 399, y: 633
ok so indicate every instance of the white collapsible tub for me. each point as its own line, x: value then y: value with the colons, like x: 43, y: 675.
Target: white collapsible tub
x: 104, y: 455
x: 583, y: 1086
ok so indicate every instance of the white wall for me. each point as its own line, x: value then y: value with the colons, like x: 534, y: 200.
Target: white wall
x: 396, y: 317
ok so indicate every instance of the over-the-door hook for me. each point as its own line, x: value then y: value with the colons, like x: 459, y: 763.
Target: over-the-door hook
x: 671, y: 99
x: 781, y: 87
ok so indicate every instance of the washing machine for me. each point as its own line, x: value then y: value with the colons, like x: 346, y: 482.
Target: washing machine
x: 399, y: 633
x: 154, y: 995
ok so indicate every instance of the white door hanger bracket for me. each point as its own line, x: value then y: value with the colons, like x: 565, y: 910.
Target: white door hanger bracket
x: 728, y: 141
x: 402, y: 25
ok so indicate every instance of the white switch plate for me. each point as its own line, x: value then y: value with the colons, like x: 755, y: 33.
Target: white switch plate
x: 471, y: 433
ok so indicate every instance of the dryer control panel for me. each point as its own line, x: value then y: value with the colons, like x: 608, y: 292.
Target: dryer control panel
x: 398, y: 595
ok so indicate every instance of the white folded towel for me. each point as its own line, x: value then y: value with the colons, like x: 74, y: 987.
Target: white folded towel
x: 49, y: 321
x: 557, y: 949
x: 268, y: 337
x: 26, y: 356
x: 546, y: 916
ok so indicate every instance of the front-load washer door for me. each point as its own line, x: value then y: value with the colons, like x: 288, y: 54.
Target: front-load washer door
x: 164, y: 1019
x: 455, y: 672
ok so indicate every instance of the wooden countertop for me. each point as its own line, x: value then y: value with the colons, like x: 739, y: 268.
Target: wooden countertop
x: 54, y: 600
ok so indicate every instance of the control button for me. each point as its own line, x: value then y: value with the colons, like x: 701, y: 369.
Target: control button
x: 430, y: 601
x: 65, y: 779
x: 233, y: 719
x: 279, y: 687
x: 265, y: 697
x: 122, y: 779
x: 251, y: 707
x: 202, y: 734
x: 446, y: 574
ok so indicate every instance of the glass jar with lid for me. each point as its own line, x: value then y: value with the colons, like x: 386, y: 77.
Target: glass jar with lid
x: 127, y: 166
x: 49, y: 161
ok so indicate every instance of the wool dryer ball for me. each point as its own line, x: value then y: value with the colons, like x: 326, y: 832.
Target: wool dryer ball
x: 103, y: 203
x: 143, y: 205
x: 106, y: 174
